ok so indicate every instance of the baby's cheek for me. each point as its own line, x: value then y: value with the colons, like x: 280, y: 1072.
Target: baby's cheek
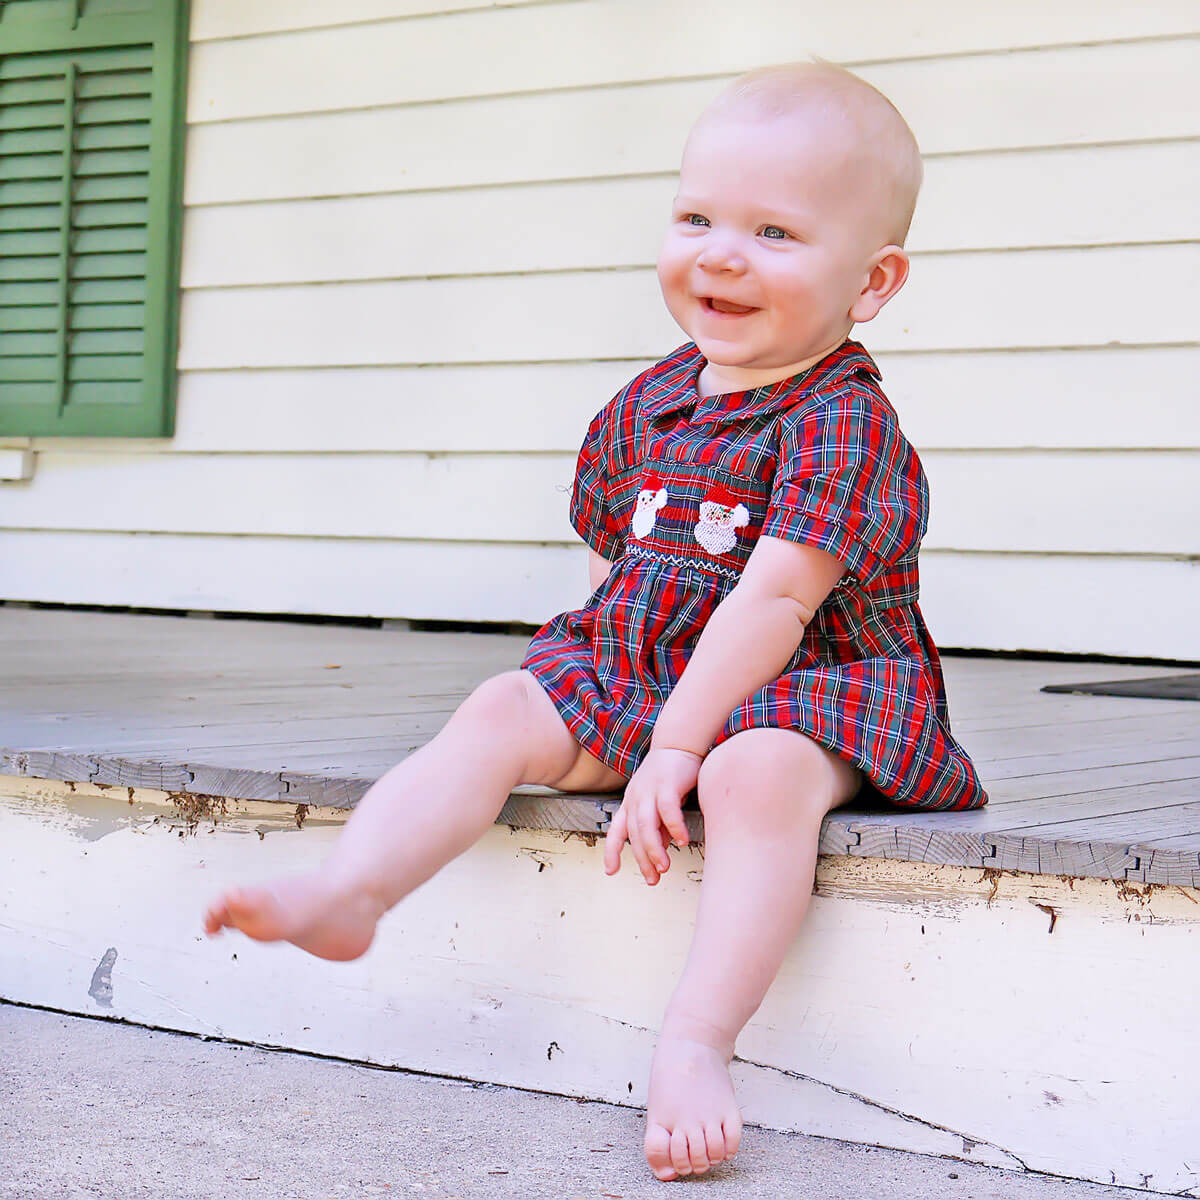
x: 672, y: 269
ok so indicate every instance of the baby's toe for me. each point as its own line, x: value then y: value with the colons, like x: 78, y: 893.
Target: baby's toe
x: 216, y: 916
x: 714, y: 1136
x: 681, y: 1158
x: 732, y: 1127
x: 698, y: 1151
x: 658, y: 1151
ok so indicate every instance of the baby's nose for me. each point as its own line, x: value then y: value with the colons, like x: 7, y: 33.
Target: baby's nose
x: 721, y: 256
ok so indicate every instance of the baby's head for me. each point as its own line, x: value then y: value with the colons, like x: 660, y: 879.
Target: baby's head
x: 796, y: 191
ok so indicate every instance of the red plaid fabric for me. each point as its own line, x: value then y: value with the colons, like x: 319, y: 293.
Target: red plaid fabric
x: 675, y: 489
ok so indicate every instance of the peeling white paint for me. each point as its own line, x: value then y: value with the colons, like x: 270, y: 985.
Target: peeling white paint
x: 923, y: 1007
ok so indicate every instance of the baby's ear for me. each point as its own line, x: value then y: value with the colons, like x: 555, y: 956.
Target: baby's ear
x: 885, y: 280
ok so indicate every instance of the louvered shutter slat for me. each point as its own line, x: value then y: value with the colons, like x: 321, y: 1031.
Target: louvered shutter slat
x: 13, y: 93
x: 90, y: 142
x: 27, y: 269
x: 27, y: 193
x: 32, y: 141
x: 135, y: 187
x: 19, y: 294
x: 23, y: 167
x: 108, y: 316
x: 32, y: 116
x: 23, y: 345
x: 42, y: 317
x: 109, y: 291
x: 42, y: 242
x: 127, y: 368
x: 29, y: 369
x: 27, y: 295
x: 108, y: 266
x: 31, y: 216
x: 111, y: 162
x: 114, y: 60
x: 108, y: 214
x: 108, y: 240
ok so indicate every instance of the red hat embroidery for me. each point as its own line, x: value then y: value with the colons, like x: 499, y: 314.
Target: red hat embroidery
x: 722, y: 514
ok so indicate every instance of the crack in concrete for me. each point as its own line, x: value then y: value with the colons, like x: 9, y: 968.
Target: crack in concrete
x: 969, y: 1143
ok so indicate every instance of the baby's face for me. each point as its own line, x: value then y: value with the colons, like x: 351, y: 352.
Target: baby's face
x: 768, y: 246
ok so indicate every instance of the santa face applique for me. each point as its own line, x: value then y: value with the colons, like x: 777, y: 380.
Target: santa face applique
x: 721, y: 516
x: 650, y: 500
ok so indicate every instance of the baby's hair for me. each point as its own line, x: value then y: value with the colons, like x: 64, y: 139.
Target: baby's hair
x: 889, y: 149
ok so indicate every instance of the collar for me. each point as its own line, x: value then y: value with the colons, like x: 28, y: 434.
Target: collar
x: 673, y: 388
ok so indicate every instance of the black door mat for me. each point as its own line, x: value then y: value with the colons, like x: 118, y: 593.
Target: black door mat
x: 1164, y: 687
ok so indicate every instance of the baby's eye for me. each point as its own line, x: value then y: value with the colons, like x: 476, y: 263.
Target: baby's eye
x: 696, y: 219
x: 774, y: 232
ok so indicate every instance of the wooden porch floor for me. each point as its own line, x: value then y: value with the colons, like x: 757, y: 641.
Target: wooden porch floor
x: 310, y: 714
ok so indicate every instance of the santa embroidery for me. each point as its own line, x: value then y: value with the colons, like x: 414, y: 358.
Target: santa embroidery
x: 651, y: 498
x: 721, y: 516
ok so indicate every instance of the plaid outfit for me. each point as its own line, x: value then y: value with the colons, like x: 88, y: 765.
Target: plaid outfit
x: 675, y: 489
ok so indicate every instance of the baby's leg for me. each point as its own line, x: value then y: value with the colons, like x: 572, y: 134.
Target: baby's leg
x: 424, y: 812
x: 763, y: 793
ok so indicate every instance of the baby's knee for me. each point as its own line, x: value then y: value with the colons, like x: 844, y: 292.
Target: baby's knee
x: 758, y: 768
x: 504, y: 704
x: 512, y: 709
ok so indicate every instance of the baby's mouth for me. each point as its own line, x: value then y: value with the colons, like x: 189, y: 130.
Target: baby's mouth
x: 712, y: 304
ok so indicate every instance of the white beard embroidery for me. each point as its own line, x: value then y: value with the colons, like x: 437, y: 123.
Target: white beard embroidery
x: 648, y: 504
x: 717, y: 528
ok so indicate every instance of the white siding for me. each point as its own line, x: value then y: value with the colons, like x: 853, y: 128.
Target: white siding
x: 418, y: 256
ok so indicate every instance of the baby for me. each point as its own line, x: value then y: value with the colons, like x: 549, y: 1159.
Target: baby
x: 753, y: 514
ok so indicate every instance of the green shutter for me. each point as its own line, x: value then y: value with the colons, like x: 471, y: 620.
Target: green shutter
x: 91, y: 148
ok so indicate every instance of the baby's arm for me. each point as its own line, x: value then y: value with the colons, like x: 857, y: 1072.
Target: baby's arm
x: 746, y: 643
x: 598, y: 569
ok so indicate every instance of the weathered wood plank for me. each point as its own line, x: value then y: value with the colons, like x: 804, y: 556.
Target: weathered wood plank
x: 270, y: 721
x: 125, y: 772
x: 47, y: 764
x: 1015, y: 745
x: 1011, y: 795
x: 1164, y: 863
x: 1046, y: 856
x: 245, y: 783
x: 1142, y: 825
x: 1101, y: 754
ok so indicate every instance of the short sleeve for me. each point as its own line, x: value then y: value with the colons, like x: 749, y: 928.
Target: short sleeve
x: 591, y: 514
x: 848, y: 482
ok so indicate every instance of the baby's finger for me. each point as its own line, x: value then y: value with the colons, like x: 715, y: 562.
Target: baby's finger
x: 638, y: 838
x: 665, y: 838
x: 670, y: 810
x: 650, y: 829
x: 614, y: 843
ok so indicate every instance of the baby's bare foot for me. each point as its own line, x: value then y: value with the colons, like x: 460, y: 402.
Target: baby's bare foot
x: 692, y: 1119
x: 307, y: 910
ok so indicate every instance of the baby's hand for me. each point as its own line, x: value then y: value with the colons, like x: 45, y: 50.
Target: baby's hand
x: 652, y: 812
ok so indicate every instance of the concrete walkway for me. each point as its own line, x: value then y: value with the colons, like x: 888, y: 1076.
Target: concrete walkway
x: 99, y: 1108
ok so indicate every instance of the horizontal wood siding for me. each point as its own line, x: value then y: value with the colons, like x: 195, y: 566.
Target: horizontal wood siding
x: 1009, y: 601
x: 1122, y: 502
x: 418, y: 255
x: 1133, y: 295
x: 515, y: 407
